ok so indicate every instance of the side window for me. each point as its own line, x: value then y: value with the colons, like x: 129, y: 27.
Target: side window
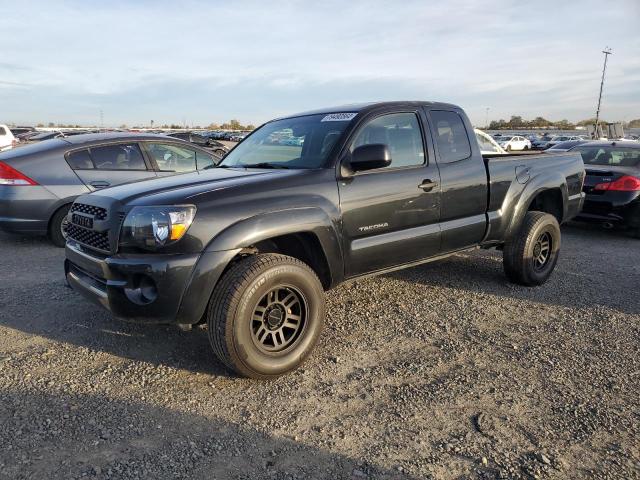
x: 125, y: 156
x: 402, y: 135
x: 172, y: 157
x: 451, y: 136
x: 80, y: 160
x: 204, y: 160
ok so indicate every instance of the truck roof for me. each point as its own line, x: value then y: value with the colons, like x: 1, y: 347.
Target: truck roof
x: 369, y: 106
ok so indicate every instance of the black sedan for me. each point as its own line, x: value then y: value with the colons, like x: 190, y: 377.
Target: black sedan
x: 612, y: 183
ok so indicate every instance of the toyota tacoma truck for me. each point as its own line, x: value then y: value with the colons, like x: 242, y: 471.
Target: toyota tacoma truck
x: 303, y: 204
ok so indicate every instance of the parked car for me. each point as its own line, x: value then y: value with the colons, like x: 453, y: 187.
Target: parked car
x: 515, y: 142
x: 7, y: 140
x: 237, y: 137
x: 250, y: 246
x: 17, y: 131
x: 217, y: 148
x: 55, y: 134
x: 24, y: 137
x: 561, y: 138
x: 565, y: 146
x: 38, y: 182
x: 612, y: 184
x: 541, y: 143
x: 487, y: 144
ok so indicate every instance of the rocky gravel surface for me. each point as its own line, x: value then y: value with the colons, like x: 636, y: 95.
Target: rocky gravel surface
x: 440, y: 371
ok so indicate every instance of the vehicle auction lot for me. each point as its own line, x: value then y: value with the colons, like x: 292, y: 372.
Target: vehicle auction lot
x: 444, y: 370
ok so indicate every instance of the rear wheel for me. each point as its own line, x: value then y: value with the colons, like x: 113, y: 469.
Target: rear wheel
x: 58, y: 226
x: 265, y: 316
x: 531, y: 255
x: 508, y: 149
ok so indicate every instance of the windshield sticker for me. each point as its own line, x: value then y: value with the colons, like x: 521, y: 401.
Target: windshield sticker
x: 338, y: 117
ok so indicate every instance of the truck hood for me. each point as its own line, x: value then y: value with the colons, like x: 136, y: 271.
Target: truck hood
x: 189, y: 184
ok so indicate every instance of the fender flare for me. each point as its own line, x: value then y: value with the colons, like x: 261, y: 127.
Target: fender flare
x: 313, y: 220
x: 535, y: 186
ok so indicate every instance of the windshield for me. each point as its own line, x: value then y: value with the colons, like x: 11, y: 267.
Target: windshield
x: 505, y: 139
x: 621, y: 157
x: 298, y: 142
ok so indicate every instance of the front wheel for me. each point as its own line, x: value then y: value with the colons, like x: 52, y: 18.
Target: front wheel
x: 531, y: 255
x: 265, y: 316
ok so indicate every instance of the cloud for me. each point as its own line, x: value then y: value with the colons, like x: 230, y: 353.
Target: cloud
x: 169, y: 58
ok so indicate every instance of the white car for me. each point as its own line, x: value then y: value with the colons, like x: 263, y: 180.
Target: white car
x: 7, y: 140
x: 487, y: 144
x: 515, y: 142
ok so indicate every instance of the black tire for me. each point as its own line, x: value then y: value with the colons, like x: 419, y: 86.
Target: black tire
x: 234, y: 307
x: 508, y: 149
x: 56, y: 234
x: 523, y: 252
x: 526, y: 147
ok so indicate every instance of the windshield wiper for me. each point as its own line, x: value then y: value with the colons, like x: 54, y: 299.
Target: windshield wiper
x: 264, y: 165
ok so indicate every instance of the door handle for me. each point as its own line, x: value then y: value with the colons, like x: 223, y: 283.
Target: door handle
x: 100, y: 184
x: 428, y: 185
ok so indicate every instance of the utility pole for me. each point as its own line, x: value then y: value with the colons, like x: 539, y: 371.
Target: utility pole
x: 607, y: 51
x: 486, y: 119
x: 101, y: 120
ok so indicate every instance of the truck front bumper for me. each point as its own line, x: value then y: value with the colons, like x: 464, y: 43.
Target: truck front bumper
x: 147, y: 288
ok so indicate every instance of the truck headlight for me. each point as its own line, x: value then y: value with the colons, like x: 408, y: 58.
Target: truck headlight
x: 156, y: 227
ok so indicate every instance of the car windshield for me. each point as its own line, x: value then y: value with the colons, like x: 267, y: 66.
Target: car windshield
x: 505, y: 139
x: 621, y: 157
x: 297, y: 142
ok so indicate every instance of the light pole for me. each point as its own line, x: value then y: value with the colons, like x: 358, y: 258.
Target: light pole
x: 486, y: 119
x: 607, y: 51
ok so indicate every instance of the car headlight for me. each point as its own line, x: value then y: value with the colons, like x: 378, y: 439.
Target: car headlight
x: 156, y: 227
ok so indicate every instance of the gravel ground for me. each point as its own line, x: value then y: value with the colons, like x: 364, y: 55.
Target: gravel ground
x: 439, y: 371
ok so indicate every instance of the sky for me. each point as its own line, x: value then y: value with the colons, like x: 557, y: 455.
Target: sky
x: 198, y: 62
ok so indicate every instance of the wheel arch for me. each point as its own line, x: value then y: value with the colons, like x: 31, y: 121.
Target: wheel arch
x: 307, y: 234
x: 546, y: 192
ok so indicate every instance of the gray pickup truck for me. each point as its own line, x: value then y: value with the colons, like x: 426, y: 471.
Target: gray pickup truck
x: 303, y: 204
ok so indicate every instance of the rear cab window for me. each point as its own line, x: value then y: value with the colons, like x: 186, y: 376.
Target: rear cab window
x: 451, y: 136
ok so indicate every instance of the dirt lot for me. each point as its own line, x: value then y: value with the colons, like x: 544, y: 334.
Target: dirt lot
x: 440, y: 371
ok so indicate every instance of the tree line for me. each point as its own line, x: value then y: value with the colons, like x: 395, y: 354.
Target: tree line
x: 230, y: 125
x: 517, y: 122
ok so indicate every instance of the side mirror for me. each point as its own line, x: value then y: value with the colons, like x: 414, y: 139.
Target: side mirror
x: 370, y: 157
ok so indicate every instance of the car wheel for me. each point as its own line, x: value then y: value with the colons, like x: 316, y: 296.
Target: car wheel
x: 265, y: 315
x: 526, y: 147
x: 530, y: 256
x: 508, y: 149
x: 58, y: 225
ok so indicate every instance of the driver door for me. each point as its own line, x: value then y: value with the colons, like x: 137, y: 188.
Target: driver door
x: 391, y: 215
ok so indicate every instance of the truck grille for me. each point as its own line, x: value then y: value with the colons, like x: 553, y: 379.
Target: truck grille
x: 98, y: 212
x: 91, y: 238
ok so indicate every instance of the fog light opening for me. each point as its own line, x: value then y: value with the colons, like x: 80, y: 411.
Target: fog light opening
x: 143, y: 290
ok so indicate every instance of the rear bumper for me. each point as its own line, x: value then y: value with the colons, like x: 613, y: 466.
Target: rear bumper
x: 25, y: 209
x: 151, y: 288
x: 614, y: 207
